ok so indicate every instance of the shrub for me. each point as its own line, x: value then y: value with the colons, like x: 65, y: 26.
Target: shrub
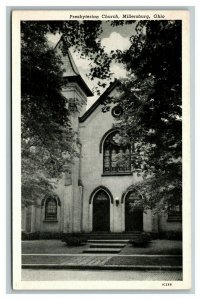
x: 141, y: 240
x: 154, y: 235
x: 171, y: 235
x: 30, y: 236
x: 75, y: 241
x: 50, y: 235
x: 26, y: 236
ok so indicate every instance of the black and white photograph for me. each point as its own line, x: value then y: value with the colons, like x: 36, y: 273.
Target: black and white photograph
x: 101, y: 159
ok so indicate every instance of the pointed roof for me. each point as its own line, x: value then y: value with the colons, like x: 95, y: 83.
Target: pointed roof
x: 99, y: 101
x: 71, y: 71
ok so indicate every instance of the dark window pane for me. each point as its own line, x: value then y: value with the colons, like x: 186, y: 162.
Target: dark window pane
x: 51, y: 209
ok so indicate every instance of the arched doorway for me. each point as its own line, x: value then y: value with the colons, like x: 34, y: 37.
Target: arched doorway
x: 101, y: 211
x: 133, y: 217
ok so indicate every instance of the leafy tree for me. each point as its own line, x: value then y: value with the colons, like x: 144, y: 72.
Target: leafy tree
x: 45, y: 119
x: 48, y: 141
x: 151, y: 99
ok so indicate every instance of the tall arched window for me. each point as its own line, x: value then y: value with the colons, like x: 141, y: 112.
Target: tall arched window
x: 116, y: 155
x: 51, y: 209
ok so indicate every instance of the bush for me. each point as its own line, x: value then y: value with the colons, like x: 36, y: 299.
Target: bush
x: 75, y: 241
x: 171, y: 235
x: 50, y: 235
x: 142, y: 240
x: 154, y: 235
x: 26, y: 236
x: 30, y: 236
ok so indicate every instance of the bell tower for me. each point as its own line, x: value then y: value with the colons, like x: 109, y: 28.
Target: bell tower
x: 76, y: 91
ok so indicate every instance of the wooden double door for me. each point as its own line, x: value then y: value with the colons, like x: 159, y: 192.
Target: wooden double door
x: 101, y: 212
x: 133, y: 216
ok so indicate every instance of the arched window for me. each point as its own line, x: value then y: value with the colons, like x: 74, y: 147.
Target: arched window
x: 116, y: 155
x: 51, y: 209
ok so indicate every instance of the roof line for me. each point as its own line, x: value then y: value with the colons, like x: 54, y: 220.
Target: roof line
x: 81, y: 82
x: 71, y: 62
x: 99, y: 101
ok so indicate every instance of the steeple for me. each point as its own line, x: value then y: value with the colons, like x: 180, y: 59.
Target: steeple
x: 71, y: 71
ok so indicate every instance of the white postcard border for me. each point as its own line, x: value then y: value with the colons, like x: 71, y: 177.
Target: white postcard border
x: 18, y: 284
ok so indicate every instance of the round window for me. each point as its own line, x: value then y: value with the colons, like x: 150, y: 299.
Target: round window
x: 117, y: 111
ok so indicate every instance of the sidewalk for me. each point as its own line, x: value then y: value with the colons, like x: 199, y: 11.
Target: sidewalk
x: 109, y: 262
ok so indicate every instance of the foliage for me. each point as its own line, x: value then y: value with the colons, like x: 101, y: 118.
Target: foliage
x: 171, y: 235
x: 30, y: 236
x: 75, y: 241
x: 142, y: 240
x: 48, y: 141
x: 151, y: 99
x: 41, y: 235
x: 45, y: 124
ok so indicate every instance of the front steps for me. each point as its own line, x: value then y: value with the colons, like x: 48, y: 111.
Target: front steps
x: 102, y: 250
x: 105, y: 242
x: 105, y: 246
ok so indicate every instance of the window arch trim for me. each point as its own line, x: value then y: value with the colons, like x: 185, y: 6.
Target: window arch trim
x: 99, y: 188
x: 51, y: 196
x: 128, y: 190
x: 104, y: 138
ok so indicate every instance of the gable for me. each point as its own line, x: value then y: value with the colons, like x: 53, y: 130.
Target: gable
x: 99, y: 101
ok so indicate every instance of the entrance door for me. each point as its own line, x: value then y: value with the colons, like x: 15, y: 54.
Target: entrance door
x: 101, y: 211
x: 133, y: 217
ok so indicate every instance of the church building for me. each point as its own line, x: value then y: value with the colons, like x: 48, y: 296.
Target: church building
x: 95, y: 197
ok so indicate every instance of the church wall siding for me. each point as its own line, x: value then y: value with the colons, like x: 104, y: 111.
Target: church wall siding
x: 147, y: 221
x: 86, y: 211
x: 23, y: 219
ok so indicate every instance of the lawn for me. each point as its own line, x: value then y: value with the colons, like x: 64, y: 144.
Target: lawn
x: 163, y: 247
x: 145, y: 261
x: 50, y: 247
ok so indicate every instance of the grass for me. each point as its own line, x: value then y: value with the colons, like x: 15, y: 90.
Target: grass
x: 144, y: 261
x: 50, y: 247
x: 162, y: 247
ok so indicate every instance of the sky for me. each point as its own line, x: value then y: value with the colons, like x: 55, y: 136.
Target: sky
x: 112, y: 38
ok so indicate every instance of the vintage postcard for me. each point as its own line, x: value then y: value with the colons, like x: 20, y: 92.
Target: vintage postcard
x: 101, y: 150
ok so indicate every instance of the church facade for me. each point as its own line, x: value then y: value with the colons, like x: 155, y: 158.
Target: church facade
x: 95, y: 197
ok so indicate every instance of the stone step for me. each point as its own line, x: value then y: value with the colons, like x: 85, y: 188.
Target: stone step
x: 102, y: 250
x: 103, y: 245
x: 102, y: 241
x: 114, y: 237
